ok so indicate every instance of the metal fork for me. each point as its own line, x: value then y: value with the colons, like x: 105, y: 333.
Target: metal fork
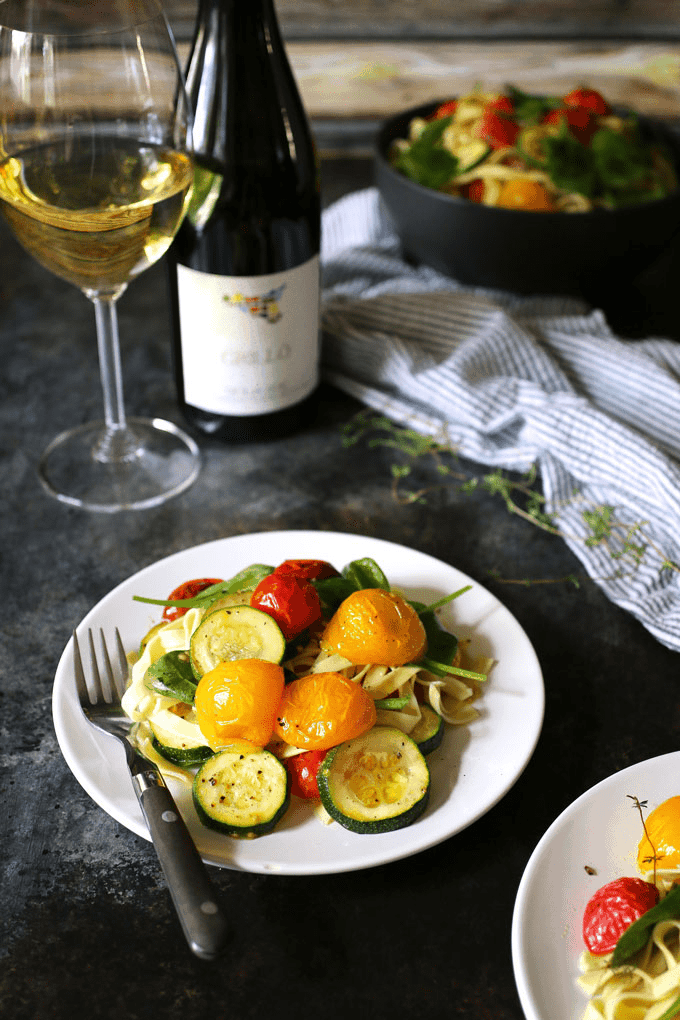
x: 192, y: 893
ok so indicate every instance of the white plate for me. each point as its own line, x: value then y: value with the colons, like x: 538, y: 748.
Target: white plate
x: 473, y: 769
x: 600, y: 830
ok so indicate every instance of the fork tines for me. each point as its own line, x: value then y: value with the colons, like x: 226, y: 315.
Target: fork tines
x: 111, y: 686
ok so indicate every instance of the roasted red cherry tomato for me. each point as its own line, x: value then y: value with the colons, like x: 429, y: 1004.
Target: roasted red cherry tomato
x: 188, y: 590
x: 292, y: 601
x: 502, y: 104
x: 580, y: 121
x: 590, y: 99
x: 445, y: 109
x: 310, y: 569
x: 612, y: 910
x: 474, y: 191
x: 497, y: 127
x: 304, y: 769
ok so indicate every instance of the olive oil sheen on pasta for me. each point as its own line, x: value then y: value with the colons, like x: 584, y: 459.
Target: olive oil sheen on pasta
x: 244, y: 266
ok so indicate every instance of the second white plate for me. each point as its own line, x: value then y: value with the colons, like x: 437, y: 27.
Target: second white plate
x: 474, y: 768
x: 592, y: 842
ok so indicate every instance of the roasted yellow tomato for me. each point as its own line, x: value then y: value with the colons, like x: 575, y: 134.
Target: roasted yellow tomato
x: 323, y: 709
x: 663, y: 828
x: 375, y: 626
x: 239, y: 700
x: 527, y: 195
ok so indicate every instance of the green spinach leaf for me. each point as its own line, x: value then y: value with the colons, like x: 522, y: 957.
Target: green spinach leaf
x: 172, y: 676
x: 622, y: 164
x: 570, y: 165
x: 635, y: 937
x: 426, y: 161
x: 441, y: 645
x: 531, y: 109
x: 356, y: 575
x: 247, y: 578
x: 365, y: 573
x: 392, y: 704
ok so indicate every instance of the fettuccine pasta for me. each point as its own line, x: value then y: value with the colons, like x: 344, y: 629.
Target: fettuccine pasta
x: 537, y: 153
x: 451, y: 697
x: 644, y: 991
x: 164, y: 719
x: 300, y: 681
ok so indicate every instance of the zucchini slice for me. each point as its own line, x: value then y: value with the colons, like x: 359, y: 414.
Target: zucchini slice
x: 375, y: 783
x: 236, y: 632
x: 237, y: 598
x: 241, y: 791
x: 179, y: 739
x: 471, y: 155
x: 185, y: 757
x: 428, y: 732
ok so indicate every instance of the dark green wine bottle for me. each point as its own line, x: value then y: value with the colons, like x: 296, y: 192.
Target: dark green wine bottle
x: 244, y: 267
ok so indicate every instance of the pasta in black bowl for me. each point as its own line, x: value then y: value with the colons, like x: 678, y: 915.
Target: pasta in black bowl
x: 562, y: 201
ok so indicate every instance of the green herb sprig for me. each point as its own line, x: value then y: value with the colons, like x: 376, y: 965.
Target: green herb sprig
x: 627, y: 545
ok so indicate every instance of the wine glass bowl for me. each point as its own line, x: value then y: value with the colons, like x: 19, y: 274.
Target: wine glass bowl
x: 133, y: 209
x: 95, y: 178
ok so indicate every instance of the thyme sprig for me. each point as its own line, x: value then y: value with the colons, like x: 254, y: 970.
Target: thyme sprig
x: 627, y: 545
x: 639, y: 805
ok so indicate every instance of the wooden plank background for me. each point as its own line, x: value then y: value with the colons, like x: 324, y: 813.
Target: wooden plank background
x: 359, y: 61
x: 451, y: 19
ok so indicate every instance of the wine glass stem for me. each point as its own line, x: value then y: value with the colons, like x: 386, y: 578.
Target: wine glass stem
x: 117, y: 443
x: 109, y: 361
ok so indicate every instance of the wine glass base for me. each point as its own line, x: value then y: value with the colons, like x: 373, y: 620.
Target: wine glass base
x: 149, y: 463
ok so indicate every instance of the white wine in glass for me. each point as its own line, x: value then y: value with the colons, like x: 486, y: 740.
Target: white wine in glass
x: 95, y: 177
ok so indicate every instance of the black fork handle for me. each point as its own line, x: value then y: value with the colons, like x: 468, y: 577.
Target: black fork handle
x: 202, y: 920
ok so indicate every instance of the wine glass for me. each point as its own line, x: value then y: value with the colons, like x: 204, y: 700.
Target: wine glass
x: 95, y: 178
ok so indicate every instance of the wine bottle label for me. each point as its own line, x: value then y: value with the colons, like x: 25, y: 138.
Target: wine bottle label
x: 250, y: 345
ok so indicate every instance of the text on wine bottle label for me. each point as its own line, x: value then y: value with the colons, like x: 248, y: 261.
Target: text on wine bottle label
x: 250, y: 345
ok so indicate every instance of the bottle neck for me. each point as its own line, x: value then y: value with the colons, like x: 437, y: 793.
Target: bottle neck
x: 243, y: 10
x: 241, y: 87
x: 241, y: 19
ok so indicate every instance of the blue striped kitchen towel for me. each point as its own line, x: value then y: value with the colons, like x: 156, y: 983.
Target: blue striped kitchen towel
x: 514, y: 382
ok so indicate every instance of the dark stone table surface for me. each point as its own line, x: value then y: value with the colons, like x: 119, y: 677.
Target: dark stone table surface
x: 89, y: 930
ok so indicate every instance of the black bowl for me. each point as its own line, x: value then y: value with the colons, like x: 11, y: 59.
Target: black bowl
x: 586, y: 253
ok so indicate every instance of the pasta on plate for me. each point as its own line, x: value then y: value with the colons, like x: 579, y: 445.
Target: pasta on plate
x: 645, y: 991
x: 451, y: 697
x: 362, y: 674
